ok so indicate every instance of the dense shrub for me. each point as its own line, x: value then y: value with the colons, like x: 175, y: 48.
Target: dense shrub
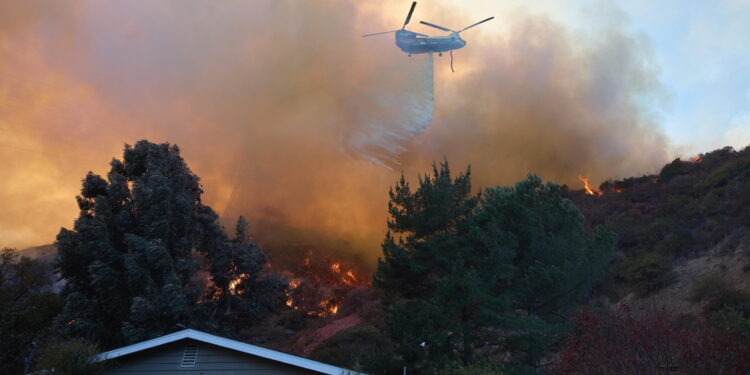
x: 690, y: 208
x: 709, y: 287
x: 362, y: 346
x: 74, y: 357
x: 621, y: 342
x: 647, y: 273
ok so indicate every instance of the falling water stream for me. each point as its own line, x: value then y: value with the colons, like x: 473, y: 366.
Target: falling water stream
x: 405, y: 115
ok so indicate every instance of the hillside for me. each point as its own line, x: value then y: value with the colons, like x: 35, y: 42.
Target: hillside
x: 687, y: 224
x: 44, y: 252
x: 683, y: 243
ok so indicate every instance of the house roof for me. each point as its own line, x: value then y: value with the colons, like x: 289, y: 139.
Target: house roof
x: 228, y: 344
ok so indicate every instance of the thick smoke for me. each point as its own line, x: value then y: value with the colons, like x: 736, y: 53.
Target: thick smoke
x: 294, y: 120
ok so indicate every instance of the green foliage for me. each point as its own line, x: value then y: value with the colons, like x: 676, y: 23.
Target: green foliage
x: 674, y: 169
x: 131, y: 260
x: 27, y: 307
x: 468, y: 269
x: 722, y: 175
x: 726, y: 307
x: 647, y: 273
x: 362, y: 345
x: 730, y: 299
x: 74, y: 357
x: 737, y: 322
x: 479, y: 368
x: 709, y: 288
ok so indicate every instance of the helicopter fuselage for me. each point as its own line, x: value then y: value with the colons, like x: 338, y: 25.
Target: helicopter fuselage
x: 412, y: 43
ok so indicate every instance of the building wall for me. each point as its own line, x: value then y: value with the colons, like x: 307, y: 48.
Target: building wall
x: 211, y: 360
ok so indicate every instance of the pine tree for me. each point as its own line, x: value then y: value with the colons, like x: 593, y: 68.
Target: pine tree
x: 438, y: 291
x: 486, y: 272
x: 556, y: 261
x: 130, y: 262
x: 27, y: 308
x: 242, y: 292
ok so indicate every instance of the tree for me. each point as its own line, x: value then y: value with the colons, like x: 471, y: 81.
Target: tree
x: 73, y: 357
x: 555, y: 260
x: 27, y: 307
x: 482, y: 273
x: 242, y: 291
x: 130, y: 262
x: 432, y: 286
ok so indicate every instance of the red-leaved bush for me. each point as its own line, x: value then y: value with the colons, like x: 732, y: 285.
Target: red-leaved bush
x: 621, y: 342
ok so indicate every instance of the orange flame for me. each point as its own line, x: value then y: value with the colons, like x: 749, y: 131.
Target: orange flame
x: 696, y: 159
x: 328, y: 308
x: 233, y: 284
x: 347, y: 278
x: 587, y: 187
x: 293, y: 284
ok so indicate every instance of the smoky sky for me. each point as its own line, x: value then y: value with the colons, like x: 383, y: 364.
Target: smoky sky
x: 290, y: 117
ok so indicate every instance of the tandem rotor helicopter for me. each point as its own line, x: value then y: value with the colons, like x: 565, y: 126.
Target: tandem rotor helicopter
x: 413, y: 43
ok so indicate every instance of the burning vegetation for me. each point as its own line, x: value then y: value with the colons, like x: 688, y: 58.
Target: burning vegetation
x: 318, y: 284
x: 587, y: 187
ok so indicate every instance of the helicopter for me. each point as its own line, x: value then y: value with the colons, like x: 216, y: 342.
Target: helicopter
x: 414, y: 43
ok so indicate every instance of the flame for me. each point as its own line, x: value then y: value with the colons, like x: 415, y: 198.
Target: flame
x: 293, y: 284
x: 350, y: 275
x: 587, y: 187
x: 696, y: 159
x: 346, y: 278
x: 333, y: 309
x: 327, y: 308
x: 233, y: 284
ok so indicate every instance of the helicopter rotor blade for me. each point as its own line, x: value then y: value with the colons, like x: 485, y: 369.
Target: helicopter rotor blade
x: 480, y: 22
x: 380, y: 33
x: 408, y: 16
x: 436, y: 26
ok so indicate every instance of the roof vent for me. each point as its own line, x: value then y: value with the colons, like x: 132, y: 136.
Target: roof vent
x: 190, y: 356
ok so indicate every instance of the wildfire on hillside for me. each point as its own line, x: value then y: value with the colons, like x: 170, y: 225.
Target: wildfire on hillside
x: 318, y: 285
x: 696, y: 159
x: 587, y: 187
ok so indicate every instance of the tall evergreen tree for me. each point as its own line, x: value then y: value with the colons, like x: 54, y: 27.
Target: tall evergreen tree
x: 556, y: 260
x: 242, y: 291
x: 482, y: 272
x: 131, y: 260
x: 27, y: 308
x: 438, y: 291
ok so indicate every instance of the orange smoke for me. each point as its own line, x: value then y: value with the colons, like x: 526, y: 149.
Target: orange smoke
x: 266, y: 98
